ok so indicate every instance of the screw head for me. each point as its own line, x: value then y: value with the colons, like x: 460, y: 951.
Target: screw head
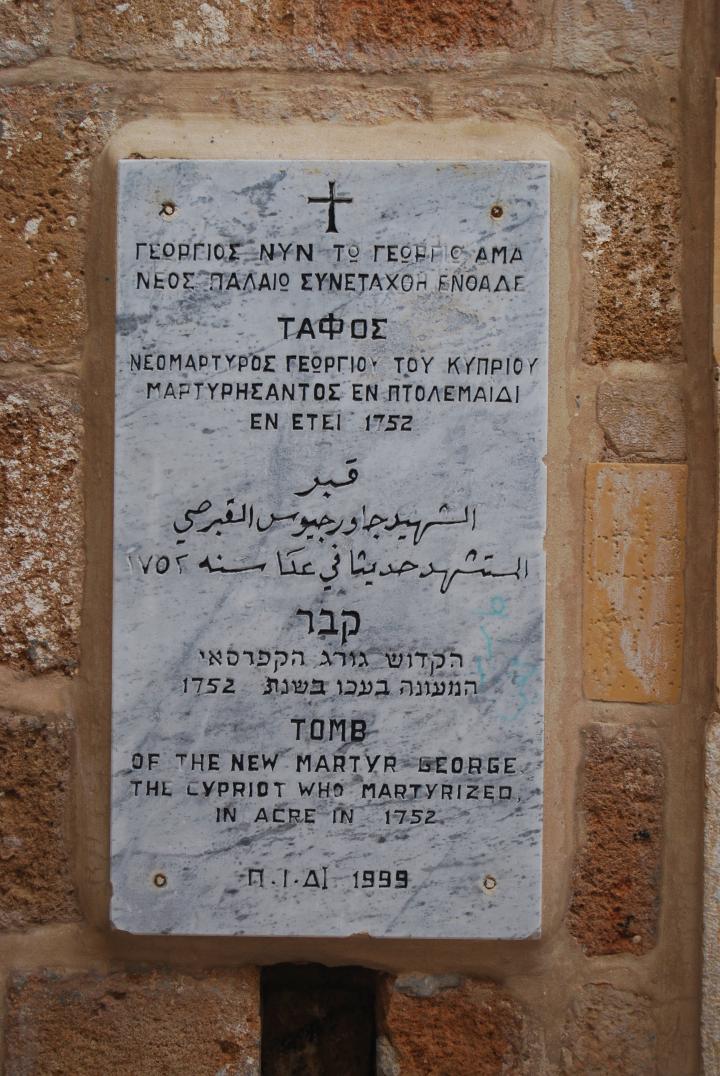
x: 167, y: 209
x: 160, y: 880
x: 496, y: 212
x: 489, y: 883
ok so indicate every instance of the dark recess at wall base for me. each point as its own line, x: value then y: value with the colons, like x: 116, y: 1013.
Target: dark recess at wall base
x: 318, y: 1021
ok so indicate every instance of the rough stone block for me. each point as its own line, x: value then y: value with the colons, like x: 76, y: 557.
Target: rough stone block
x: 633, y: 582
x: 642, y: 419
x: 609, y: 1032
x: 41, y: 522
x: 356, y: 33
x: 24, y: 30
x: 616, y: 882
x: 336, y: 104
x: 603, y: 37
x: 431, y: 1026
x: 189, y: 33
x: 631, y: 241
x: 35, y: 882
x: 199, y: 1024
x: 424, y: 23
x: 48, y: 138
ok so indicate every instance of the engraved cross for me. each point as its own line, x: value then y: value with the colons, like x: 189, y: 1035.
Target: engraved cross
x: 331, y: 201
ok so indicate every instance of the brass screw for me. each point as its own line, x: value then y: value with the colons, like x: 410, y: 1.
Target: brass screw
x: 160, y: 880
x: 489, y: 883
x: 496, y: 212
x: 167, y: 209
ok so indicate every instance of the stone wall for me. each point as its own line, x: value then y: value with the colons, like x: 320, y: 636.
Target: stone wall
x: 613, y: 984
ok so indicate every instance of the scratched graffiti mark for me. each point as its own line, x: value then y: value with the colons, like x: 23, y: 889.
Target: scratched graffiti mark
x: 523, y: 674
x: 497, y: 609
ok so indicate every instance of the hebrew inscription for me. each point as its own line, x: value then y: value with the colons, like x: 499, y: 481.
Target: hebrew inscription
x: 328, y: 635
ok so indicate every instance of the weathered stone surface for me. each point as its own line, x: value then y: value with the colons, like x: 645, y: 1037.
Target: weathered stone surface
x: 49, y: 136
x: 642, y: 420
x: 335, y: 103
x: 609, y: 1032
x: 222, y: 33
x: 631, y: 210
x: 616, y: 882
x: 24, y: 30
x: 135, y: 1025
x: 186, y: 32
x: 35, y: 882
x: 423, y: 23
x: 317, y: 1020
x: 472, y: 1027
x: 416, y: 985
x: 41, y: 521
x: 601, y: 36
x: 633, y: 592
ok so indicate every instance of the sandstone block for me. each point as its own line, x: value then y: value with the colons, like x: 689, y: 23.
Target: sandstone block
x: 336, y: 104
x: 190, y: 33
x: 424, y: 23
x: 609, y: 1032
x: 453, y: 1026
x: 631, y: 241
x: 24, y: 30
x: 48, y: 137
x: 633, y: 600
x: 41, y: 521
x: 356, y: 33
x: 642, y: 420
x: 601, y: 37
x: 135, y: 1024
x: 35, y: 882
x: 616, y: 882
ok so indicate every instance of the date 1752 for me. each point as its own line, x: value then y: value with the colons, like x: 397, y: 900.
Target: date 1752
x: 388, y: 423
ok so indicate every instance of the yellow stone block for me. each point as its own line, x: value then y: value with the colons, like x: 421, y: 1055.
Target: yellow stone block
x: 633, y: 598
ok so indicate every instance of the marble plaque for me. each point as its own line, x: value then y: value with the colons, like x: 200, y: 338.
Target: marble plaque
x: 329, y: 579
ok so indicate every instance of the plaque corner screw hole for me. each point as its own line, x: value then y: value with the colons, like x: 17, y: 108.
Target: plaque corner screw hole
x: 160, y: 880
x: 497, y: 211
x: 489, y: 883
x: 168, y: 209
